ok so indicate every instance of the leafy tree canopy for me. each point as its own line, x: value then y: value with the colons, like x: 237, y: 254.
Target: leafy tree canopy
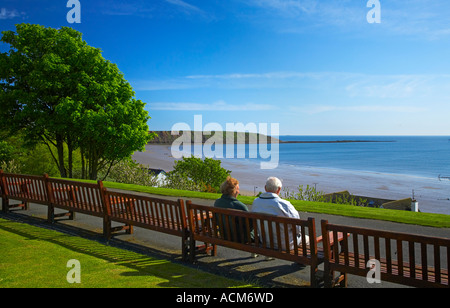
x: 207, y: 173
x: 59, y: 91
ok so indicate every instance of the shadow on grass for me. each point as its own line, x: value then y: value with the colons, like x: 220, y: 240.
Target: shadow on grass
x: 174, y: 275
x: 144, y: 260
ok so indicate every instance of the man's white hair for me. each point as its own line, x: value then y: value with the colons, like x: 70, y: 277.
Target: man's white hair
x: 272, y: 184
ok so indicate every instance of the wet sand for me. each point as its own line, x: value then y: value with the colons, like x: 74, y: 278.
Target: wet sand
x: 433, y: 195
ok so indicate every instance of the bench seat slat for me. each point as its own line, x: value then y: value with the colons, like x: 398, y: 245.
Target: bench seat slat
x: 25, y: 188
x: 393, y: 266
x: 274, y: 236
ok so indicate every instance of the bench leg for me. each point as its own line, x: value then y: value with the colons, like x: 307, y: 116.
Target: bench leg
x: 331, y: 282
x: 51, y: 214
x: 192, y: 250
x: 107, y: 228
x: 328, y: 275
x: 5, y: 205
x: 129, y: 229
x: 328, y: 279
x: 185, y: 248
x: 313, y: 276
x: 213, y: 250
x: 343, y: 280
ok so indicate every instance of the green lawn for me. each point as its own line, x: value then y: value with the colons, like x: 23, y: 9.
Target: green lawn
x: 423, y: 219
x: 32, y: 257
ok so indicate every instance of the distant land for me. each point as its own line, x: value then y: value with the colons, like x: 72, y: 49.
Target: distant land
x: 166, y: 137
x: 335, y: 141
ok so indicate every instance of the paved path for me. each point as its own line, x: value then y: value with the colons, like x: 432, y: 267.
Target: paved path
x: 231, y: 263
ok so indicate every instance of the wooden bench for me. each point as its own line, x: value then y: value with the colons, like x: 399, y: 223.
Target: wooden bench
x: 407, y: 259
x: 85, y: 198
x: 150, y: 213
x: 24, y: 188
x: 221, y: 227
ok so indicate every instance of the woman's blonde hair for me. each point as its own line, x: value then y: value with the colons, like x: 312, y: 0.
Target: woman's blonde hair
x: 229, y: 186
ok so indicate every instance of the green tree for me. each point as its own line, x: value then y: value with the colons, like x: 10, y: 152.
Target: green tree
x: 6, y: 152
x: 207, y: 173
x: 130, y: 172
x: 61, y: 92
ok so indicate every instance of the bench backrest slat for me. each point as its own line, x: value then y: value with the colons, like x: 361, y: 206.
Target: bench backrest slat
x: 150, y: 213
x: 1, y: 184
x: 407, y: 258
x: 273, y: 235
x: 27, y: 188
x: 77, y: 196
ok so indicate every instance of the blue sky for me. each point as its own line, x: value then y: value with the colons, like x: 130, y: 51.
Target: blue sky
x: 315, y: 67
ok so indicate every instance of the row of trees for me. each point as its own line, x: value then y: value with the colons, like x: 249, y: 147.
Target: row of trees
x: 190, y: 173
x: 66, y: 110
x: 58, y: 92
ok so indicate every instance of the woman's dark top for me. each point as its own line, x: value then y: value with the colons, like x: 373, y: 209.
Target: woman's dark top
x: 229, y: 202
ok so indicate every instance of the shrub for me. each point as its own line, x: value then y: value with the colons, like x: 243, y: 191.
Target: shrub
x: 129, y: 172
x: 206, y: 175
x: 305, y: 194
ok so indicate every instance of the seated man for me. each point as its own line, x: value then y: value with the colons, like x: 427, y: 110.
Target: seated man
x: 270, y: 203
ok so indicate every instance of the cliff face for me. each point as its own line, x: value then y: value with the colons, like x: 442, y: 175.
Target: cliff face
x: 165, y: 137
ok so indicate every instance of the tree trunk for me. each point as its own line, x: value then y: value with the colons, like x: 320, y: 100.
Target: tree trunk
x: 60, y: 148
x: 83, y: 164
x: 70, y: 149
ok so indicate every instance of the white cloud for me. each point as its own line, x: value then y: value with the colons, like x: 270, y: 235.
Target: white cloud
x: 148, y: 9
x: 121, y: 8
x: 287, y: 6
x: 269, y: 80
x: 216, y: 106
x: 301, y: 16
x: 359, y: 108
x: 10, y: 14
x: 400, y: 86
x: 186, y: 7
x: 270, y: 75
x: 420, y: 19
x: 352, y: 85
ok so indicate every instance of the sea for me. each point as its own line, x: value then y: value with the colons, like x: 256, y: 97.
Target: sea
x: 424, y: 156
x: 422, y: 162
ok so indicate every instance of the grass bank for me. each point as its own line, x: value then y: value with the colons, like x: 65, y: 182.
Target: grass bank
x: 33, y: 257
x: 422, y: 219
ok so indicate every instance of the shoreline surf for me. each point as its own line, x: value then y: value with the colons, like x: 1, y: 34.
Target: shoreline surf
x: 433, y: 195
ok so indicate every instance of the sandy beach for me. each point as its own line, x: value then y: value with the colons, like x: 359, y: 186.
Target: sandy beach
x: 433, y: 195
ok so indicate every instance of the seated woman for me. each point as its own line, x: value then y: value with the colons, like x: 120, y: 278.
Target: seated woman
x: 228, y: 200
x: 230, y: 191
